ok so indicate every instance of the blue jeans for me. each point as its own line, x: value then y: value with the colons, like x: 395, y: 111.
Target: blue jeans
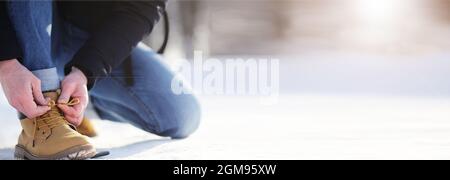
x: 148, y: 103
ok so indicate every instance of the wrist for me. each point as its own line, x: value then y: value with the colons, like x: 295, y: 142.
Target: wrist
x: 91, y: 78
x: 80, y: 74
x: 6, y: 67
x: 6, y: 64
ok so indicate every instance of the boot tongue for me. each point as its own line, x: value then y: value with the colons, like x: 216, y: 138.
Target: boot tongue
x: 55, y: 112
x: 52, y: 95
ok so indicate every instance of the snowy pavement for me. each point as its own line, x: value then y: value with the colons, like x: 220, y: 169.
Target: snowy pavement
x: 299, y: 127
x: 379, y: 110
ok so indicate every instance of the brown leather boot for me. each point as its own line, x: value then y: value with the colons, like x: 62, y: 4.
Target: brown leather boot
x: 87, y: 128
x: 51, y: 137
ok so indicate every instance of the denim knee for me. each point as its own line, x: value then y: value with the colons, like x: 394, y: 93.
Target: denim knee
x: 181, y: 120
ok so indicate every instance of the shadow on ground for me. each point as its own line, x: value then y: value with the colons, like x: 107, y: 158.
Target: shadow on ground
x: 116, y: 153
x: 132, y: 149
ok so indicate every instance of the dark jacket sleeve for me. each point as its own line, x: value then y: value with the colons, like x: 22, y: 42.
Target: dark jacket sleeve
x: 9, y: 46
x: 112, y: 41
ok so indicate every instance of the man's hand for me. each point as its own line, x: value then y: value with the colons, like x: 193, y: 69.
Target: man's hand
x: 74, y: 85
x: 22, y: 89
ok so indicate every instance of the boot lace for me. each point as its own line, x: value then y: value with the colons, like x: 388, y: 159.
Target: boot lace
x: 52, y: 118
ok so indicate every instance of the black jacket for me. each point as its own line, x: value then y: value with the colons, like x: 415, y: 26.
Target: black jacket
x: 9, y: 46
x: 116, y: 27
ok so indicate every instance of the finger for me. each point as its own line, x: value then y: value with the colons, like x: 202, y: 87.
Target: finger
x: 75, y: 120
x: 79, y: 108
x: 66, y: 93
x: 31, y: 110
x: 41, y: 110
x: 68, y: 111
x: 37, y: 93
x: 75, y: 110
x: 29, y: 107
x: 84, y: 100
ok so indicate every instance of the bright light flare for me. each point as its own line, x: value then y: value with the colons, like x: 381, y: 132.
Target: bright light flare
x: 381, y: 11
x: 382, y: 24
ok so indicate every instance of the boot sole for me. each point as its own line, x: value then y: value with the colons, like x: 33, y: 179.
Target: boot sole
x: 74, y: 153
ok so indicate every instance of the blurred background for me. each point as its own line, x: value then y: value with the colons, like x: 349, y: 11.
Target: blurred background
x: 298, y: 26
x: 332, y: 46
